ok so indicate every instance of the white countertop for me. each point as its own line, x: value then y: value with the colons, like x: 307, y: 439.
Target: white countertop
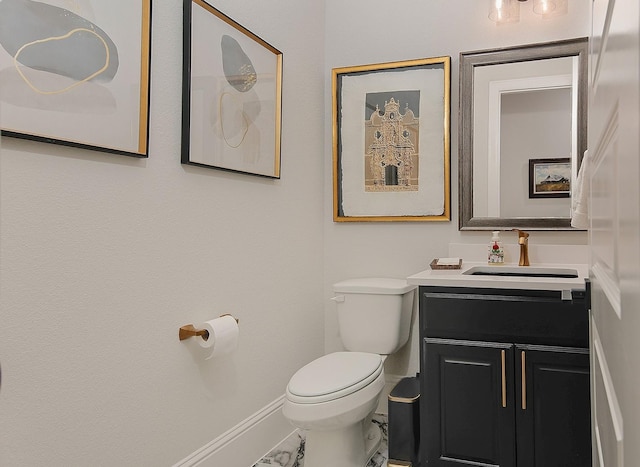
x: 457, y: 278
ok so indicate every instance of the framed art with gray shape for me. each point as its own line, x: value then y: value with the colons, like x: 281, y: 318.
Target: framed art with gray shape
x: 231, y: 95
x: 391, y: 141
x: 76, y: 73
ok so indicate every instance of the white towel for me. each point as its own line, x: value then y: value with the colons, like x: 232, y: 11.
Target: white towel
x: 580, y: 196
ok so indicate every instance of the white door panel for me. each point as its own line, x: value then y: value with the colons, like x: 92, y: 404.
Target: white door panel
x: 609, y: 426
x: 614, y: 146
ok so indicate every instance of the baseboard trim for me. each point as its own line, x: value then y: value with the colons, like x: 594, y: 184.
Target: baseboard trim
x: 255, y: 436
x: 246, y: 442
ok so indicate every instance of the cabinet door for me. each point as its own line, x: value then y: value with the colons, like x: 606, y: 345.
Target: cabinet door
x: 467, y: 406
x: 553, y: 406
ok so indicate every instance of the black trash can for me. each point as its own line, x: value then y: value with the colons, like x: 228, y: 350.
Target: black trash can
x: 404, y: 423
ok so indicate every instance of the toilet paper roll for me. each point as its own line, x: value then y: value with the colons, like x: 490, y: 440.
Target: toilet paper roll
x: 223, y: 336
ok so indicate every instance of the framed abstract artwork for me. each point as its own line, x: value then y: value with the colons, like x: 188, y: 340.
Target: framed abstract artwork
x: 231, y: 95
x: 76, y: 73
x: 391, y: 141
x: 550, y: 178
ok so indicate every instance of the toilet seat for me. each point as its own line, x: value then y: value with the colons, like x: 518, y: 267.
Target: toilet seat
x: 334, y: 376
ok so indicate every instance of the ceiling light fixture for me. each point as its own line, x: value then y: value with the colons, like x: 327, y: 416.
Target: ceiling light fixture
x: 508, y: 11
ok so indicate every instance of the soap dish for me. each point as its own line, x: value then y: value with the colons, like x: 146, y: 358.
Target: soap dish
x: 434, y: 264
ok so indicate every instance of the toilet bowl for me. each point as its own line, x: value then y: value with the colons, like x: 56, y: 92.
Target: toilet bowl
x: 334, y: 397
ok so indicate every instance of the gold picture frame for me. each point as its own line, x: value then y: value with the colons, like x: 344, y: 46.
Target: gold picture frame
x: 391, y: 141
x: 76, y: 76
x: 231, y: 95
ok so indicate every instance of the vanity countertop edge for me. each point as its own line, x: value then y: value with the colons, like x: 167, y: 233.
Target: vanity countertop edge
x: 458, y: 278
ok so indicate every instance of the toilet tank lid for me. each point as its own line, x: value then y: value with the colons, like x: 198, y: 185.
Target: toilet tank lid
x: 374, y: 285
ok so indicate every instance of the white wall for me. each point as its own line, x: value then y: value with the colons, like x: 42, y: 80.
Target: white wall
x: 375, y: 31
x: 104, y: 257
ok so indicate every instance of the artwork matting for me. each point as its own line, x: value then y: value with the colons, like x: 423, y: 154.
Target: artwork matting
x: 391, y: 141
x: 232, y: 93
x: 76, y: 73
x: 550, y: 178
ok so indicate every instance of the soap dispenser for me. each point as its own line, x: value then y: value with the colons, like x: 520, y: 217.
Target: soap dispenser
x: 496, y: 253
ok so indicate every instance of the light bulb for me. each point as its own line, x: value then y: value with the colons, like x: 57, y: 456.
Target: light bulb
x: 504, y: 11
x: 544, y: 7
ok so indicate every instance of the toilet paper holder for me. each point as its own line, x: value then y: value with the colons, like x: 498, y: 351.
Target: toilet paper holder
x: 189, y: 330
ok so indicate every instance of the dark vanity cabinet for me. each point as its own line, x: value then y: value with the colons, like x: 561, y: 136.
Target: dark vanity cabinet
x: 504, y: 378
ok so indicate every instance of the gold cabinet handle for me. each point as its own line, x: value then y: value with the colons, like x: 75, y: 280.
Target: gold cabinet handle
x: 504, y: 379
x: 524, y: 381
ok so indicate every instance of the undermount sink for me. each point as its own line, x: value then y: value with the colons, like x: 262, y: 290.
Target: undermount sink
x: 520, y: 271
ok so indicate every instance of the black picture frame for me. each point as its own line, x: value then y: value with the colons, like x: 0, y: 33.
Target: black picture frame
x: 95, y: 95
x: 550, y: 178
x: 231, y: 95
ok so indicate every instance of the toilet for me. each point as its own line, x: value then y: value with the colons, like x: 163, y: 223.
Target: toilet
x: 334, y: 397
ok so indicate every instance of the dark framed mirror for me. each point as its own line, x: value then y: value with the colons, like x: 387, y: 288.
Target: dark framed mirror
x: 517, y: 105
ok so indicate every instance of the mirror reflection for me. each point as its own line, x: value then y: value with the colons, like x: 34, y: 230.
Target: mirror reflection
x: 522, y: 135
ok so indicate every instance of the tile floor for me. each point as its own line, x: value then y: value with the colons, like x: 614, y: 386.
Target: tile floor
x: 291, y: 452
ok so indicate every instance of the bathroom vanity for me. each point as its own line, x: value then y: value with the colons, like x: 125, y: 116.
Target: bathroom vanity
x: 504, y: 367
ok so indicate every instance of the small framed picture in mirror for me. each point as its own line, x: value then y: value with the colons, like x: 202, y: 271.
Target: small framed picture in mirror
x: 550, y: 178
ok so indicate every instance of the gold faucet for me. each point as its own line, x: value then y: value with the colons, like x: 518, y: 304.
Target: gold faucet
x: 523, y: 240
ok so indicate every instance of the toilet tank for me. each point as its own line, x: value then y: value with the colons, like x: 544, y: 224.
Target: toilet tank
x: 374, y: 314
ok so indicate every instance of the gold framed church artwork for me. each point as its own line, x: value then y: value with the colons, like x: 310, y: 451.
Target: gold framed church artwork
x: 391, y: 141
